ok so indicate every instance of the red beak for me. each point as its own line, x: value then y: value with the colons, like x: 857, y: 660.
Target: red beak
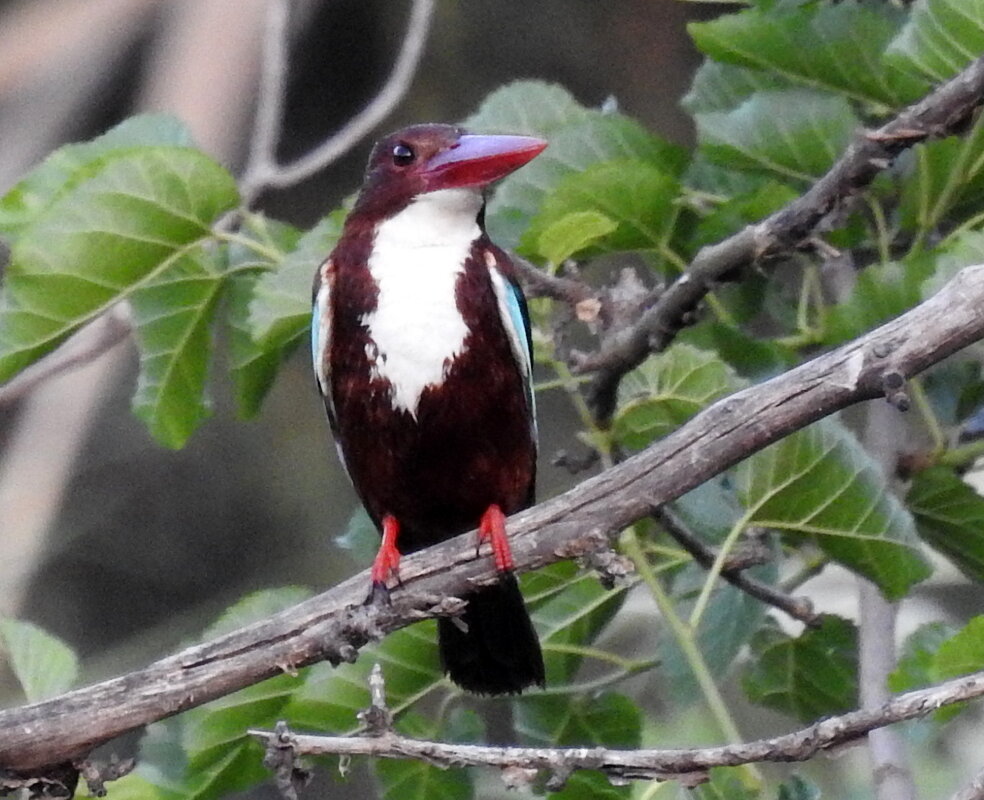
x: 477, y: 160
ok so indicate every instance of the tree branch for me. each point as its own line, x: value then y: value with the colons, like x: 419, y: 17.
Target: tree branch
x: 336, y: 624
x: 688, y: 766
x: 263, y: 170
x: 941, y: 113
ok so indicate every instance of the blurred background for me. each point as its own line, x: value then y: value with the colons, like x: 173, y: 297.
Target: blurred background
x: 121, y: 547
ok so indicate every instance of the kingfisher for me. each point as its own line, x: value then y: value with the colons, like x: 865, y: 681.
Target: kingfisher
x: 423, y: 355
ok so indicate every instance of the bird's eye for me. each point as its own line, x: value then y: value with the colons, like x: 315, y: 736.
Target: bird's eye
x: 402, y: 154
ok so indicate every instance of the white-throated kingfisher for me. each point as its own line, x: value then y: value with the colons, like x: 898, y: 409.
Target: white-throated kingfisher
x: 422, y: 352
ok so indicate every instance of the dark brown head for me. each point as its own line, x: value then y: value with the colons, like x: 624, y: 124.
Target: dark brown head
x: 430, y: 157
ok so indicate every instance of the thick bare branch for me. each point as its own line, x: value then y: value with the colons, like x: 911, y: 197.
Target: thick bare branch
x: 335, y: 624
x: 941, y: 113
x: 690, y: 766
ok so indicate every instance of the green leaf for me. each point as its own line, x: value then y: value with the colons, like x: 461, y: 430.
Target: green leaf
x: 120, y: 230
x: 809, y: 676
x: 798, y: 788
x: 820, y: 484
x: 882, y: 292
x: 915, y: 665
x: 796, y: 134
x: 410, y: 779
x: 950, y: 518
x: 738, y: 211
x: 836, y: 48
x: 940, y: 38
x: 532, y: 108
x: 961, y: 654
x: 172, y: 316
x: 136, y: 787
x: 42, y: 663
x: 942, y: 179
x: 666, y: 391
x: 722, y: 87
x: 573, y: 148
x: 66, y: 167
x: 606, y: 720
x: 562, y: 238
x: 253, y: 367
x: 206, y: 753
x: 635, y: 195
x: 725, y: 784
x: 568, y: 608
x: 730, y: 620
x: 280, y: 312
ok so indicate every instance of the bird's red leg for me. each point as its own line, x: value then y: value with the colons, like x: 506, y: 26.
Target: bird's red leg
x: 387, y: 559
x: 492, y: 528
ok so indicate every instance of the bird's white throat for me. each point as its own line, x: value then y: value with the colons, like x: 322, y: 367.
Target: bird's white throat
x: 416, y: 328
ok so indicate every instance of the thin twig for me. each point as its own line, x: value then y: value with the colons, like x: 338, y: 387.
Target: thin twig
x: 799, y: 608
x: 264, y: 170
x: 690, y: 766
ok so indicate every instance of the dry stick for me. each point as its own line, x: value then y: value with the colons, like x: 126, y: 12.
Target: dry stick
x: 941, y: 113
x: 263, y: 170
x: 335, y: 624
x: 689, y: 766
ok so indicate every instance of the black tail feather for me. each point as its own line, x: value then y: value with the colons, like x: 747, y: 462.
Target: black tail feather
x: 499, y: 653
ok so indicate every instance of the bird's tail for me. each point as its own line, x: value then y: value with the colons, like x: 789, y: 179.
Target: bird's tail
x: 496, y: 650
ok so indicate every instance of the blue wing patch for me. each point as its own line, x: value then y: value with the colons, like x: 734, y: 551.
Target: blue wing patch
x: 516, y: 320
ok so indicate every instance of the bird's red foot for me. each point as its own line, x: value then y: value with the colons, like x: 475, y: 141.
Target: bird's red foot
x: 492, y: 529
x: 387, y: 561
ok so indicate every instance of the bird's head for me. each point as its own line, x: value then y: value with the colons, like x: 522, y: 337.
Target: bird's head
x: 428, y: 158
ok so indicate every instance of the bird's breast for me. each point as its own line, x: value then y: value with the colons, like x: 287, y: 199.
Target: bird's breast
x: 416, y: 330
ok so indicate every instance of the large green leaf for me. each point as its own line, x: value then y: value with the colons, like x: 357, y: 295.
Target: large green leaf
x: 808, y: 676
x: 721, y: 87
x: 635, y: 195
x: 950, y: 517
x: 961, y: 654
x: 573, y: 148
x: 667, y: 390
x: 42, y: 663
x: 724, y: 784
x: 940, y: 38
x: 532, y: 108
x: 67, y: 166
x: 172, y: 315
x: 120, y: 230
x: 820, y: 484
x: 572, y: 233
x: 280, y: 311
x: 795, y: 134
x: 836, y: 47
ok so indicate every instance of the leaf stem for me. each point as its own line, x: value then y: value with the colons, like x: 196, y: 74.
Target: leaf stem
x: 919, y: 397
x: 684, y: 636
x: 715, y: 571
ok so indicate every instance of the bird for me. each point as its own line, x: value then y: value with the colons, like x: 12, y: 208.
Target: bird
x: 422, y: 351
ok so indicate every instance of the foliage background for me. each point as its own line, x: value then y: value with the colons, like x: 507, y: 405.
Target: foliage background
x: 145, y: 544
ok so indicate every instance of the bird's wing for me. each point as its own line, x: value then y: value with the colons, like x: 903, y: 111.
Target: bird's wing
x: 321, y: 335
x: 515, y: 317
